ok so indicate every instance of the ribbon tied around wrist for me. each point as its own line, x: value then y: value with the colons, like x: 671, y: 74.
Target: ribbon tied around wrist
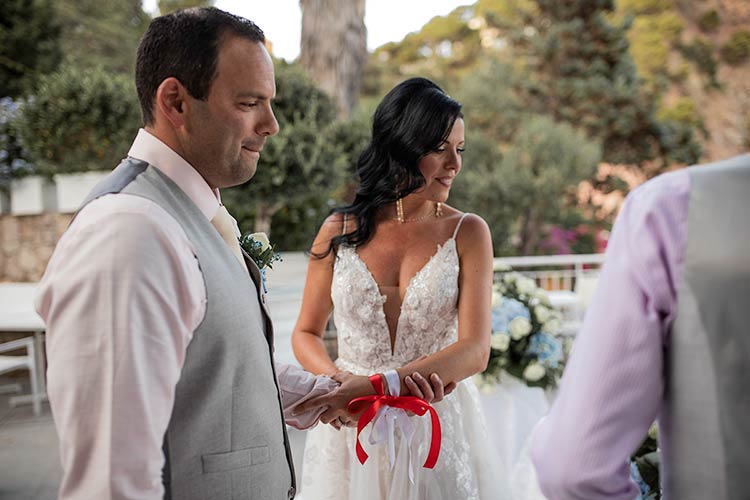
x: 383, y: 410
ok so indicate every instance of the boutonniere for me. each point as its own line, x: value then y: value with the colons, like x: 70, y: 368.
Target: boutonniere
x: 262, y: 252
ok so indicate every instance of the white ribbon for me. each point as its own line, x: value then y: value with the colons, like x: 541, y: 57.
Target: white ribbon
x: 387, y: 419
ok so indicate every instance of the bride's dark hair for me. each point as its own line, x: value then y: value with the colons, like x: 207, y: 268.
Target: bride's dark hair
x: 412, y: 120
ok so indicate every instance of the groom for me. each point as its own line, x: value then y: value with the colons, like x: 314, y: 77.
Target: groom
x: 666, y: 336
x: 161, y: 374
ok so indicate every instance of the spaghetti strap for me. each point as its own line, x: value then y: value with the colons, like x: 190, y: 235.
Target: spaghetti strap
x: 343, y: 230
x: 458, y: 226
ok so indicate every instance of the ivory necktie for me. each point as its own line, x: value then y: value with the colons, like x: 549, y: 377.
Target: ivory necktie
x: 225, y: 225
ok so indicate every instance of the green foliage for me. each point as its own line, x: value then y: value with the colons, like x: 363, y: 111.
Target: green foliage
x: 167, y: 6
x: 709, y: 21
x: 679, y: 140
x: 503, y: 13
x: 652, y: 37
x: 79, y: 120
x: 701, y: 52
x: 527, y: 186
x: 101, y: 33
x: 28, y: 43
x: 644, y: 6
x: 737, y: 49
x: 579, y: 72
x: 13, y: 158
x: 541, y: 169
x: 683, y: 111
x: 490, y: 102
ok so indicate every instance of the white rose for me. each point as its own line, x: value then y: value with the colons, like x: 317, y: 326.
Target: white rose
x: 500, y: 341
x: 261, y: 238
x: 510, y: 278
x: 519, y: 327
x: 526, y: 286
x: 552, y: 326
x: 541, y: 313
x: 541, y: 295
x: 484, y: 384
x: 497, y: 299
x: 534, y: 372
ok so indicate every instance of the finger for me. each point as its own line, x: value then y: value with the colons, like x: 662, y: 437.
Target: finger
x: 413, y: 387
x: 312, y: 403
x: 328, y: 416
x: 425, y: 386
x: 437, y: 387
x: 336, y: 424
x: 449, y: 388
x: 341, y: 376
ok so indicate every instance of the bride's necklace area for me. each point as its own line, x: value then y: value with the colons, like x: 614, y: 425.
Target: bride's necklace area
x: 438, y: 212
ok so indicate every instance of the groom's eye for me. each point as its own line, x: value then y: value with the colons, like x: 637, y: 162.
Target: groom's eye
x: 249, y: 104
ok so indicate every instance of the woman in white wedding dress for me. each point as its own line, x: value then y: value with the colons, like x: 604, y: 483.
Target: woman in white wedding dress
x: 409, y: 281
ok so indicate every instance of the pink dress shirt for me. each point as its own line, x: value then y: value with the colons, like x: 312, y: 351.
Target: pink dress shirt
x: 612, y: 388
x: 121, y: 298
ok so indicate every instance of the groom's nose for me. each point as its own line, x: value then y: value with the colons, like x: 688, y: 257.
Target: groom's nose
x: 267, y: 125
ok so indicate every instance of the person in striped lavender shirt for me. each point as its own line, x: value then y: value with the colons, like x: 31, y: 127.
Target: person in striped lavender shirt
x: 666, y: 337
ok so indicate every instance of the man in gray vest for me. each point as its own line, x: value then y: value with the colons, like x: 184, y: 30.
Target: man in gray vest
x: 162, y: 381
x: 666, y: 336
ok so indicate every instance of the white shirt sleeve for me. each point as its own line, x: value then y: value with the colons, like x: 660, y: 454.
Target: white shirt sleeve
x: 121, y: 298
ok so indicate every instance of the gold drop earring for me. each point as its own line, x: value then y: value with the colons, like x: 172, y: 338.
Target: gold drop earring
x: 399, y: 211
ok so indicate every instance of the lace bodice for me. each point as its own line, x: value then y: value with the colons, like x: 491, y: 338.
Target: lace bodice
x: 428, y: 319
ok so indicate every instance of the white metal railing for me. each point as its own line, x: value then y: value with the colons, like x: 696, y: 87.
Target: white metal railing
x: 554, y: 272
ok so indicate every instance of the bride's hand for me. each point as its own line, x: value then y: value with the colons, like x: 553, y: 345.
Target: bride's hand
x: 432, y: 391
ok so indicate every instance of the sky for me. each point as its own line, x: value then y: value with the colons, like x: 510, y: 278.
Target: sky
x: 386, y: 20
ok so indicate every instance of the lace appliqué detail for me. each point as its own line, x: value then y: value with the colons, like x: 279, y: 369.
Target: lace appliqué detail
x: 428, y: 320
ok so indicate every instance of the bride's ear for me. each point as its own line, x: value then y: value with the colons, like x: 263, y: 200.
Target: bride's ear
x: 170, y: 101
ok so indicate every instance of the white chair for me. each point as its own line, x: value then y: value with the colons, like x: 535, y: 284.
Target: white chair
x: 27, y: 362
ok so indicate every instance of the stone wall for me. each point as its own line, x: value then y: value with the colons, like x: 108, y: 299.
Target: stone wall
x: 26, y: 244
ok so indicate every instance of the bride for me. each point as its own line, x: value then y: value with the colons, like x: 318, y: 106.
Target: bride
x: 409, y: 280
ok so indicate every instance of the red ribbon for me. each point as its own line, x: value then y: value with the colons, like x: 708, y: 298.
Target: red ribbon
x: 371, y: 405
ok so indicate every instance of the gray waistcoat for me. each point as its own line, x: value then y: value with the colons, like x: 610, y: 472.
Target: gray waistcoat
x: 706, y: 419
x: 226, y: 439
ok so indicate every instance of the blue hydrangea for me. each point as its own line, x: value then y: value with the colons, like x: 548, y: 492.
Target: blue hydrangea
x: 547, y: 349
x: 635, y: 475
x: 504, y: 314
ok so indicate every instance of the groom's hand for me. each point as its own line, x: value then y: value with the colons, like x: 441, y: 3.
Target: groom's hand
x: 352, y: 386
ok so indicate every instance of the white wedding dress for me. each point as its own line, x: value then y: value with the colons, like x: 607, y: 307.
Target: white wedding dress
x: 467, y: 468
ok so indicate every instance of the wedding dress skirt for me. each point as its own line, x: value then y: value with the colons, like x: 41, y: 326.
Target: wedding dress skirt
x: 466, y: 468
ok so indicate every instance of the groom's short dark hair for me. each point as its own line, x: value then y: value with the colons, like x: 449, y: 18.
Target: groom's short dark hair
x: 185, y: 45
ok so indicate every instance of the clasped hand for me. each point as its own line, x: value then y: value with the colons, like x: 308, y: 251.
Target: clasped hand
x: 354, y: 386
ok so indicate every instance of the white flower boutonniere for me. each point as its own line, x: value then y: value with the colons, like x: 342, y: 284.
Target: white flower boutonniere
x: 263, y: 253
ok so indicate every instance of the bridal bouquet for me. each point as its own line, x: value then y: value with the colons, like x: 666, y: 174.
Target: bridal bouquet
x: 525, y: 338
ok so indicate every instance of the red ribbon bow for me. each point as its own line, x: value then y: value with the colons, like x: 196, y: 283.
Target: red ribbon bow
x: 371, y: 405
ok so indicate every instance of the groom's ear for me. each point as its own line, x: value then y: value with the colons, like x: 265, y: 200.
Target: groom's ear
x: 170, y: 101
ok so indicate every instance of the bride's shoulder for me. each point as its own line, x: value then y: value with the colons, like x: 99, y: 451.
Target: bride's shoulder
x: 472, y: 233
x: 471, y: 224
x: 332, y: 226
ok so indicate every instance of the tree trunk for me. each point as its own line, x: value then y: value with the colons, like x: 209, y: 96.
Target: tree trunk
x: 333, y: 48
x: 263, y: 216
